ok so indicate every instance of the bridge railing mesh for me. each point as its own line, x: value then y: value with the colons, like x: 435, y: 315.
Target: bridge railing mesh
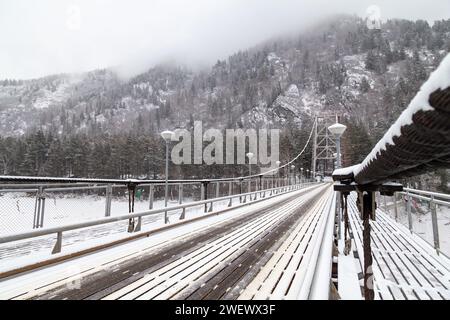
x: 424, y: 216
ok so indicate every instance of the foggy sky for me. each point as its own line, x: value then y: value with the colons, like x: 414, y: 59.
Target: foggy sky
x: 43, y: 37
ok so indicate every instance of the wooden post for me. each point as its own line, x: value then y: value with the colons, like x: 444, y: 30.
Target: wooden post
x: 368, y: 204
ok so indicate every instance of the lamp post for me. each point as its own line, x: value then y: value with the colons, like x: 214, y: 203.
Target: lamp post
x: 301, y: 175
x: 167, y: 136
x: 337, y: 130
x: 250, y: 156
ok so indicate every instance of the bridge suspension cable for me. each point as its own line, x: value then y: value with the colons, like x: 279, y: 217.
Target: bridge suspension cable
x: 137, y: 181
x: 278, y: 167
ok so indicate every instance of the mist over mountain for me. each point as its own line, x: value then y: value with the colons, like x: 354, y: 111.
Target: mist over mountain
x: 341, y: 66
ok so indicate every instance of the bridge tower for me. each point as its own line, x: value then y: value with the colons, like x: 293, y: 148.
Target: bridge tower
x: 324, y: 147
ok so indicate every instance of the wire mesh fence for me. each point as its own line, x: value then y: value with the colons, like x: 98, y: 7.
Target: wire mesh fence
x: 49, y: 216
x: 17, y: 211
x: 422, y: 215
x: 47, y: 205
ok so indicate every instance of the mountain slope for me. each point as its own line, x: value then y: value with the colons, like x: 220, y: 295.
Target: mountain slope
x: 340, y: 66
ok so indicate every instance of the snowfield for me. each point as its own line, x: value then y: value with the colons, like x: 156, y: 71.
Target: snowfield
x: 16, y: 216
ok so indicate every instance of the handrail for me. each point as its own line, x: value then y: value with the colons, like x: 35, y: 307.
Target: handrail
x: 68, y: 181
x: 430, y: 193
x: 430, y: 199
x: 107, y: 220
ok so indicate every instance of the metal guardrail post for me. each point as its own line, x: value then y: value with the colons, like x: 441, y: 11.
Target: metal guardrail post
x: 138, y: 225
x: 435, y: 224
x: 368, y: 205
x: 260, y: 187
x: 240, y: 191
x: 395, y: 206
x: 230, y: 192
x: 41, y: 223
x: 150, y: 196
x: 108, y: 192
x: 39, y: 209
x: 217, y: 196
x: 264, y: 187
x: 180, y: 200
x: 131, y: 192
x: 245, y: 197
x: 205, y: 194
x: 58, y: 244
x: 408, y: 211
x: 272, y: 184
x: 339, y: 214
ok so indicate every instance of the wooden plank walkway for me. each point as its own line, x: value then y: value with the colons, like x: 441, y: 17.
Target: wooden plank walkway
x: 288, y: 273
x: 404, y: 266
x: 213, y: 264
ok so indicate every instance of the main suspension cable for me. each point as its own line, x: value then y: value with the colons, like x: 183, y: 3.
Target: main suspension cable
x: 278, y: 167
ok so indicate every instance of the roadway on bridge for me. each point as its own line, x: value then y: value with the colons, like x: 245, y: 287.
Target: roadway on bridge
x: 216, y: 262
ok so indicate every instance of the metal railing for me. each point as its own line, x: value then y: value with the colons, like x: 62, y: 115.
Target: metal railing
x: 424, y: 213
x: 200, y: 195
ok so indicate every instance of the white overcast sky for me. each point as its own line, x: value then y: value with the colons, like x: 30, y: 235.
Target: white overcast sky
x: 42, y: 37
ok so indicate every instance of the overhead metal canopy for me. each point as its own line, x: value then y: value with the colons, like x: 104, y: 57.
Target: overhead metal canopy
x: 418, y: 142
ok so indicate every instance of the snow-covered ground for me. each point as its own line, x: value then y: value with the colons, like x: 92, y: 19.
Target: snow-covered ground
x: 80, y: 210
x: 17, y: 210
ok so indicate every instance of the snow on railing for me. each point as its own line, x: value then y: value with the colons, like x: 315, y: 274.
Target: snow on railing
x: 417, y: 141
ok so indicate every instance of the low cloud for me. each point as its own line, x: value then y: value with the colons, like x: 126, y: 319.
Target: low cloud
x: 46, y: 37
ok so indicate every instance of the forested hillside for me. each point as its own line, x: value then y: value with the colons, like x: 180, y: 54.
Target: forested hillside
x: 100, y: 125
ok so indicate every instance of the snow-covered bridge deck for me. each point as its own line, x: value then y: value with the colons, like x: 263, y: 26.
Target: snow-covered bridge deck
x: 404, y: 265
x: 208, y: 259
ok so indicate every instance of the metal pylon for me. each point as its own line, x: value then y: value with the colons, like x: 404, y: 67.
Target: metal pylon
x: 323, y: 160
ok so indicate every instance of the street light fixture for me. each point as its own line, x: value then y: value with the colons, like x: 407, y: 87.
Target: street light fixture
x: 249, y: 156
x: 167, y: 136
x: 337, y: 130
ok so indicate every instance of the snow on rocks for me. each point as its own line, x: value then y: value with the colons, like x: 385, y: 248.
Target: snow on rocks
x: 356, y: 71
x: 292, y: 91
x: 439, y: 79
x: 311, y: 102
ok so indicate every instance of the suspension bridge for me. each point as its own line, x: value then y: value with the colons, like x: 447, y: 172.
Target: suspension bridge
x: 359, y: 235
